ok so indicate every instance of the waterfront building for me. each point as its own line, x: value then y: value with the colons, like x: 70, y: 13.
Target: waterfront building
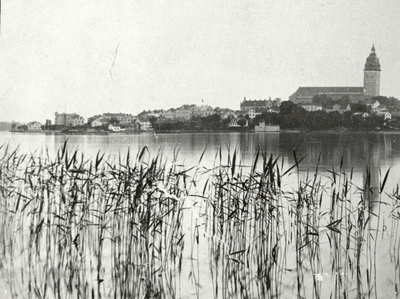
x: 98, y: 122
x: 144, y: 124
x: 34, y: 126
x: 370, y: 88
x: 69, y: 119
x: 121, y: 118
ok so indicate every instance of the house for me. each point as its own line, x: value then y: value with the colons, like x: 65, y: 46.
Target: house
x: 247, y: 105
x: 254, y: 112
x: 170, y: 114
x: 185, y: 112
x: 373, y: 104
x: 203, y: 111
x: 144, y: 123
x: 225, y: 113
x: 341, y: 108
x: 386, y: 114
x: 99, y: 122
x: 234, y: 124
x: 34, y: 126
x: 115, y: 128
x: 311, y: 107
x: 362, y: 114
x: 121, y: 118
x: 273, y: 110
x: 69, y: 119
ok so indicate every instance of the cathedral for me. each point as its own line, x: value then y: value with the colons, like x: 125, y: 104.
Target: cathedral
x: 372, y: 77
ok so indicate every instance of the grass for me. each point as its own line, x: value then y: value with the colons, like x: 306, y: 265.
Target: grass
x: 72, y: 227
x: 89, y: 228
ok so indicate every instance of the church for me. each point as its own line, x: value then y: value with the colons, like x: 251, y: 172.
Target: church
x: 372, y: 78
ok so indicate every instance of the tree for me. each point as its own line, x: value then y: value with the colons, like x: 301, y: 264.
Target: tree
x: 322, y: 100
x: 359, y: 107
x: 242, y: 122
x: 287, y: 107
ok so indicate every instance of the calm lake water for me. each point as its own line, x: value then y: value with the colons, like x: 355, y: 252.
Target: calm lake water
x: 379, y: 151
x: 356, y: 151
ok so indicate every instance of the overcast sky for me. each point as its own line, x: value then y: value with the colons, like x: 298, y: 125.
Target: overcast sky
x: 96, y: 56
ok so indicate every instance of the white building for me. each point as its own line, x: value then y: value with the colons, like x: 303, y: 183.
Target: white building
x: 253, y: 113
x: 145, y: 124
x: 34, y: 126
x: 386, y: 114
x: 312, y: 107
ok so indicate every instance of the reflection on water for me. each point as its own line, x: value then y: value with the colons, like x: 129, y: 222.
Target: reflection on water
x: 356, y: 149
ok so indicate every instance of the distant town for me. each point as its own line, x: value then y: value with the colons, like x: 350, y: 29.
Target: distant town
x: 308, y: 108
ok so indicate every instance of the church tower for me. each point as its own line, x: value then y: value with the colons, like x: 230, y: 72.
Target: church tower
x: 372, y: 75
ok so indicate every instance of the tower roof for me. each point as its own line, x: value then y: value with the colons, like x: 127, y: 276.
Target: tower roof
x: 372, y: 63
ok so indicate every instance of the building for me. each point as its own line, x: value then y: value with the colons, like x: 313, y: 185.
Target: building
x: 34, y: 126
x: 311, y: 107
x: 69, y: 119
x: 170, y: 114
x: 99, y: 122
x: 372, y: 75
x: 144, y: 124
x: 253, y: 113
x: 203, y: 111
x: 341, y: 108
x: 274, y: 110
x: 385, y: 114
x: 121, y: 118
x: 306, y: 94
x: 248, y: 105
x: 185, y: 112
x: 373, y: 104
x: 370, y: 89
x: 225, y: 113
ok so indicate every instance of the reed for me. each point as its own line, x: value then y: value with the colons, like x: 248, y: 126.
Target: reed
x: 77, y: 227
x: 91, y: 228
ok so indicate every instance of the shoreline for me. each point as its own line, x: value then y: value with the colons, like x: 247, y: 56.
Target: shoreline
x: 59, y: 132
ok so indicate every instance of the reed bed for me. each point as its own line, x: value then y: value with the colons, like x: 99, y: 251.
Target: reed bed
x: 72, y: 227
x: 77, y: 228
x: 315, y: 240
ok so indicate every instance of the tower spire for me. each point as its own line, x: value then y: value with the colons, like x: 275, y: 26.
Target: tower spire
x: 372, y: 74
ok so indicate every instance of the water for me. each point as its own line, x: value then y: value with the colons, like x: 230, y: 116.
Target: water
x: 379, y: 151
x: 355, y: 151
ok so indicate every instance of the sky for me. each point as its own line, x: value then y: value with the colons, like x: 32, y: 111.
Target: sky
x: 95, y: 56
